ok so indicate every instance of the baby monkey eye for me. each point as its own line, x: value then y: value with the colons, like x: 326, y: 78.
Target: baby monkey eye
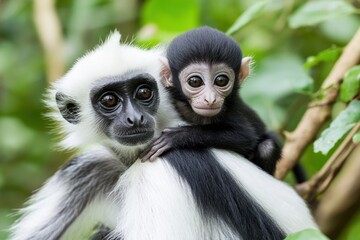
x: 109, y: 101
x: 144, y: 93
x: 195, y: 81
x: 221, y: 80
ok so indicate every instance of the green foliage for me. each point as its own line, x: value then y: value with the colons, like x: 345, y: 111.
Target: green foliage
x: 308, y: 234
x: 251, y: 13
x: 185, y: 12
x: 356, y: 137
x: 328, y: 55
x: 315, y: 12
x: 284, y: 71
x: 338, y: 128
x: 351, y: 85
x: 278, y: 34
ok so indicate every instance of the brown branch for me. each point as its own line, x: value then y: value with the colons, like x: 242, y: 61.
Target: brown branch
x: 48, y: 27
x: 315, y: 116
x: 341, y: 201
x: 320, y: 181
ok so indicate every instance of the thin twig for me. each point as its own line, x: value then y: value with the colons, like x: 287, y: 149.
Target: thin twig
x: 315, y: 117
x: 321, y: 180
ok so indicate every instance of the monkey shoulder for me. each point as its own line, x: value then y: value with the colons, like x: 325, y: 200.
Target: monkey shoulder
x: 91, y: 166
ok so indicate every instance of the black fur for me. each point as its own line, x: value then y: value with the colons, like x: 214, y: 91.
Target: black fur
x: 218, y: 195
x: 237, y: 127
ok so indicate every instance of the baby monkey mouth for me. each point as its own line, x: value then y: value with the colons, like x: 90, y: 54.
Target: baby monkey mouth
x: 206, y: 111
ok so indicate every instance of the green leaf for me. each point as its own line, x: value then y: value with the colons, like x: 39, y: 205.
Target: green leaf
x: 328, y: 55
x: 162, y: 20
x: 351, y: 85
x: 307, y: 234
x: 163, y: 13
x: 251, y: 13
x: 314, y: 12
x: 338, y: 128
x: 356, y: 137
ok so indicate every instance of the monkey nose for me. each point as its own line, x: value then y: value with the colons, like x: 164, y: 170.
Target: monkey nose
x: 210, y: 101
x: 132, y: 121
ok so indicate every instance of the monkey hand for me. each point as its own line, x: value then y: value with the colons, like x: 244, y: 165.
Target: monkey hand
x: 160, y: 145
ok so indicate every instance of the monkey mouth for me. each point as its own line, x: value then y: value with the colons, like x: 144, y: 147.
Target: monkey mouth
x: 135, y: 137
x: 207, y: 111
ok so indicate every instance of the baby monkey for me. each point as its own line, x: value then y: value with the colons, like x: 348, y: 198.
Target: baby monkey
x: 203, y: 74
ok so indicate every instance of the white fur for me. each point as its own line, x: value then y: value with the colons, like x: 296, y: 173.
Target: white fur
x: 157, y: 204
x: 276, y: 197
x: 111, y: 58
x: 41, y: 208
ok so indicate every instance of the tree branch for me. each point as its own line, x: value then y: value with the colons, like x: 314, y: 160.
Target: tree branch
x: 342, y: 200
x: 316, y: 115
x: 48, y: 27
x: 320, y: 181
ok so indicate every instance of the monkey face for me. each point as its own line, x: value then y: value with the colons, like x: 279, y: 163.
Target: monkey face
x: 206, y: 86
x: 126, y: 107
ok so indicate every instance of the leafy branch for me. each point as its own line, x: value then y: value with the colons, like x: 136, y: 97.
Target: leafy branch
x: 316, y: 116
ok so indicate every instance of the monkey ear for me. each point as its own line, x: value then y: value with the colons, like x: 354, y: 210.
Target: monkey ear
x: 245, y: 69
x: 69, y: 108
x: 165, y: 73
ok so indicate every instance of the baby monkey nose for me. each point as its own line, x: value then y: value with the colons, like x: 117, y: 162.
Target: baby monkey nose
x: 210, y: 101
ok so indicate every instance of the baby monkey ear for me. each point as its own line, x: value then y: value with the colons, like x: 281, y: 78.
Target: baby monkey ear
x: 165, y: 73
x: 245, y: 69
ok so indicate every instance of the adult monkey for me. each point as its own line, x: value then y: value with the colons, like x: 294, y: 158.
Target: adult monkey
x: 110, y: 97
x: 203, y: 76
x: 110, y: 104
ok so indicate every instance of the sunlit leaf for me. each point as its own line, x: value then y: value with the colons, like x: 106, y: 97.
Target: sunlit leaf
x: 327, y: 55
x: 251, y: 13
x: 314, y: 12
x: 356, y: 137
x: 351, y: 84
x: 166, y: 19
x: 163, y: 13
x: 338, y: 128
x: 307, y: 234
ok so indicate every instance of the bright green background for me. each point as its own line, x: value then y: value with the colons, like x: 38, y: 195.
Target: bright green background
x: 279, y: 34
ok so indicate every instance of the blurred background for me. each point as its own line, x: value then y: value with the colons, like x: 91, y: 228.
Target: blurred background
x: 294, y: 44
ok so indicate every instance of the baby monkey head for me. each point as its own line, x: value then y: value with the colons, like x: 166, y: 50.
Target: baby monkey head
x: 204, y: 69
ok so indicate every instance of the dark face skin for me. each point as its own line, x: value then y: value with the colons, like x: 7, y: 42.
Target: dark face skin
x: 126, y: 107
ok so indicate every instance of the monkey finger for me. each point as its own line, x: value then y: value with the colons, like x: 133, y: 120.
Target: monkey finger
x: 149, y: 153
x: 154, y: 152
x: 159, y: 152
x: 161, y: 140
x: 144, y: 156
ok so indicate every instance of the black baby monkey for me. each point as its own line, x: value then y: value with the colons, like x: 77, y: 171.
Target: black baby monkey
x: 203, y: 75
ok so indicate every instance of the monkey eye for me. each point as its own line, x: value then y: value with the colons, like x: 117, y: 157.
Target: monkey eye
x: 221, y: 80
x: 109, y: 101
x: 195, y: 81
x: 144, y: 93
